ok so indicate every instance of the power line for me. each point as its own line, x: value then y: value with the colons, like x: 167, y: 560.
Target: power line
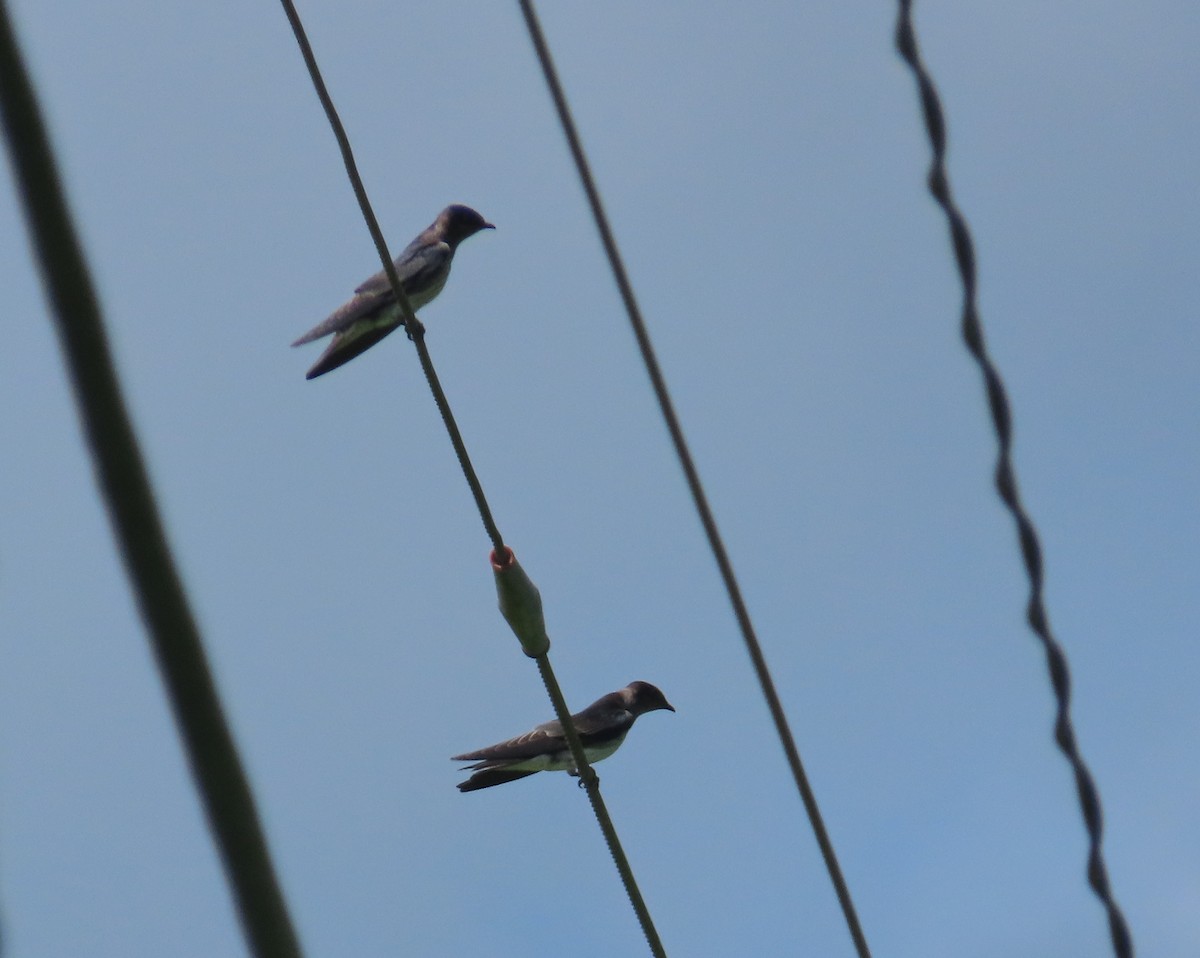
x: 1006, y: 480
x: 137, y: 527
x: 693, y: 480
x: 521, y: 605
x: 591, y: 783
x: 523, y: 600
x: 414, y: 327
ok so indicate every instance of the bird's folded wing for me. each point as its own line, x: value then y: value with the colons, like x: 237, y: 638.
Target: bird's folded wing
x: 602, y: 722
x: 362, y: 306
x: 414, y: 267
x: 594, y: 727
x: 547, y: 737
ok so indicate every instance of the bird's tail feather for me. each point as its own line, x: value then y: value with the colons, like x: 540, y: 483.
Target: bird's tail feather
x: 341, y: 350
x: 488, y: 777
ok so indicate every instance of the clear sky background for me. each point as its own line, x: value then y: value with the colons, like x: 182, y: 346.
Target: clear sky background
x: 764, y: 168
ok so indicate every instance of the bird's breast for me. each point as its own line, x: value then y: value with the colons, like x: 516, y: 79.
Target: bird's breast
x: 425, y: 293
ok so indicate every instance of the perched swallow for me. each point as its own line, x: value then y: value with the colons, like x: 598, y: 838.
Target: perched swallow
x: 374, y: 312
x: 602, y: 727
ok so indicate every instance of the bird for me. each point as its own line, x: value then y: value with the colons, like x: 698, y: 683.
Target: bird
x: 602, y: 727
x: 373, y: 312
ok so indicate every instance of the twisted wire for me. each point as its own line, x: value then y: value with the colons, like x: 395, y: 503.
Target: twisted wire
x: 1006, y: 480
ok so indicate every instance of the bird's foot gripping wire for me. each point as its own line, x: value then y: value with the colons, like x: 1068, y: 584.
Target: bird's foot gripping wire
x: 582, y: 783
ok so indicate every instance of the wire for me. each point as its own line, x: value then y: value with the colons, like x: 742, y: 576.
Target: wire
x: 137, y: 526
x: 416, y: 331
x: 591, y: 782
x: 1006, y: 481
x: 587, y: 775
x: 521, y: 605
x: 693, y: 480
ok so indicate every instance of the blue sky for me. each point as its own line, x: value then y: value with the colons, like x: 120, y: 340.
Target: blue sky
x: 764, y: 171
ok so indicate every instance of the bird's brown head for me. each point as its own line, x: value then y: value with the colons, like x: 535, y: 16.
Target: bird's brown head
x: 457, y: 222
x: 642, y: 697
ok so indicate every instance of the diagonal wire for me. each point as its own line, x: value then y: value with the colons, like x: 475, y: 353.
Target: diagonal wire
x: 416, y: 331
x: 591, y: 782
x: 693, y: 480
x: 137, y: 527
x: 1006, y: 481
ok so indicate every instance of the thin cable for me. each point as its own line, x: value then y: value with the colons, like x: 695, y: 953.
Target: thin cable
x: 121, y: 475
x: 1006, y: 480
x: 591, y: 783
x: 416, y: 331
x: 521, y: 605
x: 693, y: 480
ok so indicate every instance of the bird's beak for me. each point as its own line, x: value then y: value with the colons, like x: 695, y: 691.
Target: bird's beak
x: 489, y: 226
x: 669, y: 706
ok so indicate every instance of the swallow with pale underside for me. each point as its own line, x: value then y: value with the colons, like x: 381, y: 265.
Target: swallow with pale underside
x: 602, y: 727
x: 373, y: 312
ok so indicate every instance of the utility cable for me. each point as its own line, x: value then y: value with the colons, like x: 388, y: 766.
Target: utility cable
x: 591, y: 783
x: 414, y: 327
x: 137, y: 527
x: 521, y: 605
x: 503, y: 561
x: 1006, y: 480
x: 693, y: 480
